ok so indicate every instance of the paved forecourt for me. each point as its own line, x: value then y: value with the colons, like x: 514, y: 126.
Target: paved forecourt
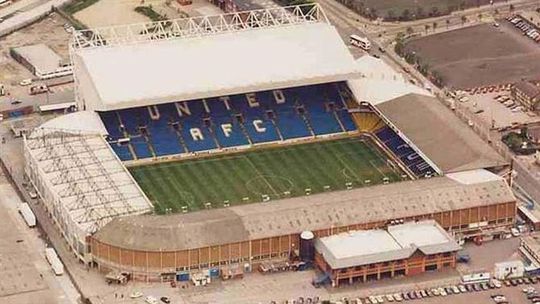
x: 265, y: 174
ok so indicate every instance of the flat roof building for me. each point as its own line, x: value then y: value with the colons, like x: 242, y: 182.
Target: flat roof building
x: 403, y: 249
x: 41, y: 60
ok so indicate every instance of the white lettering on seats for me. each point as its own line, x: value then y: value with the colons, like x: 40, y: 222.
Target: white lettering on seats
x: 182, y: 108
x: 196, y: 134
x: 252, y: 100
x: 258, y: 124
x: 279, y: 96
x: 227, y: 129
x: 226, y: 100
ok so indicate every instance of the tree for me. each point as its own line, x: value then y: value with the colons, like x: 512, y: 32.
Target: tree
x: 419, y: 12
x: 390, y: 15
x: 480, y: 16
x: 463, y: 20
x: 496, y: 12
x: 409, y: 30
x: 512, y: 8
x: 426, y: 27
x: 447, y: 23
x: 434, y: 25
x: 406, y: 15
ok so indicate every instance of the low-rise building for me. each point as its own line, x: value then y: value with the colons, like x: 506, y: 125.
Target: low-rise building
x: 509, y: 270
x: 42, y: 61
x: 404, y: 249
x: 527, y: 94
x: 529, y: 248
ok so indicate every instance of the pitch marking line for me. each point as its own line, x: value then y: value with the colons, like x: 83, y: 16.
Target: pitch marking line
x: 260, y: 175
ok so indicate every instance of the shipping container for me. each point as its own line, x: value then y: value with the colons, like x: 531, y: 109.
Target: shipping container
x: 27, y: 215
x: 52, y: 258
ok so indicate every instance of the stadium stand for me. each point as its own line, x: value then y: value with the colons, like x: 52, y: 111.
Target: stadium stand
x: 231, y: 121
x: 404, y: 152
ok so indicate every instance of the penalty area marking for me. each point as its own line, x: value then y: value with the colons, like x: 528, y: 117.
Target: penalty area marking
x: 250, y: 184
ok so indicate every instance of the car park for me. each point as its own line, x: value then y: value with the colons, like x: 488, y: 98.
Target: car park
x: 405, y: 296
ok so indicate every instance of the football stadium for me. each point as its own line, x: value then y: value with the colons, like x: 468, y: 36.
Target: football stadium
x: 211, y: 143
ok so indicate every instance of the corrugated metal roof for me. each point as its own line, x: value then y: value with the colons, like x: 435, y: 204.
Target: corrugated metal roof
x: 294, y: 215
x: 439, y: 134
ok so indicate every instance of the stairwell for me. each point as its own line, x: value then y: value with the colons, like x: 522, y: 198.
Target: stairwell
x: 126, y: 135
x: 180, y: 138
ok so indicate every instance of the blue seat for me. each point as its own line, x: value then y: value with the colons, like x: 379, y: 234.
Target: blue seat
x: 122, y: 151
x: 226, y: 137
x: 173, y: 128
x: 141, y: 147
x: 111, y: 124
x: 346, y: 120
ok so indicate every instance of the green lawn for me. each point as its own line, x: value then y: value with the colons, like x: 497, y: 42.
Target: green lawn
x: 275, y: 172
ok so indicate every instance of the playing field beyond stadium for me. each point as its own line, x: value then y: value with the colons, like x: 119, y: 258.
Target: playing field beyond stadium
x: 274, y: 172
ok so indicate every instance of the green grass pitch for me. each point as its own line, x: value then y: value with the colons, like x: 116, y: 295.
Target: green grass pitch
x: 274, y: 172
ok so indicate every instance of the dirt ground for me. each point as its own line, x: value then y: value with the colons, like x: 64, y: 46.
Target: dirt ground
x: 115, y: 12
x: 480, y: 55
x: 49, y: 31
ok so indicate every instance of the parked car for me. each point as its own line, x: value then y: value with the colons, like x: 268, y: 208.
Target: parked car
x: 151, y: 300
x: 165, y: 300
x: 484, y: 286
x: 398, y: 297
x: 25, y: 82
x: 462, y: 288
x: 136, y: 294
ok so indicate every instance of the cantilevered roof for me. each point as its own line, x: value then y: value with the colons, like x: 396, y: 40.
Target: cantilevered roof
x: 199, y: 66
x: 380, y: 82
x: 82, y: 122
x: 294, y: 215
x: 438, y: 133
x: 398, y: 242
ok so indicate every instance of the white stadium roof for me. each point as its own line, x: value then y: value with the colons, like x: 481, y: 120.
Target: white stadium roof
x: 80, y: 174
x: 123, y: 75
x: 380, y: 82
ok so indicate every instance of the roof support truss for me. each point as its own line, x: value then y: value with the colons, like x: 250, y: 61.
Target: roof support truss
x: 197, y: 26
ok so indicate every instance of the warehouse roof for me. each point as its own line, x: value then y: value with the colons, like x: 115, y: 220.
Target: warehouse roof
x: 398, y: 242
x: 40, y: 56
x: 154, y: 72
x: 439, y: 134
x: 294, y: 215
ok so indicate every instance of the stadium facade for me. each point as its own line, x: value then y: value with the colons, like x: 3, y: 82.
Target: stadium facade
x: 163, y: 94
